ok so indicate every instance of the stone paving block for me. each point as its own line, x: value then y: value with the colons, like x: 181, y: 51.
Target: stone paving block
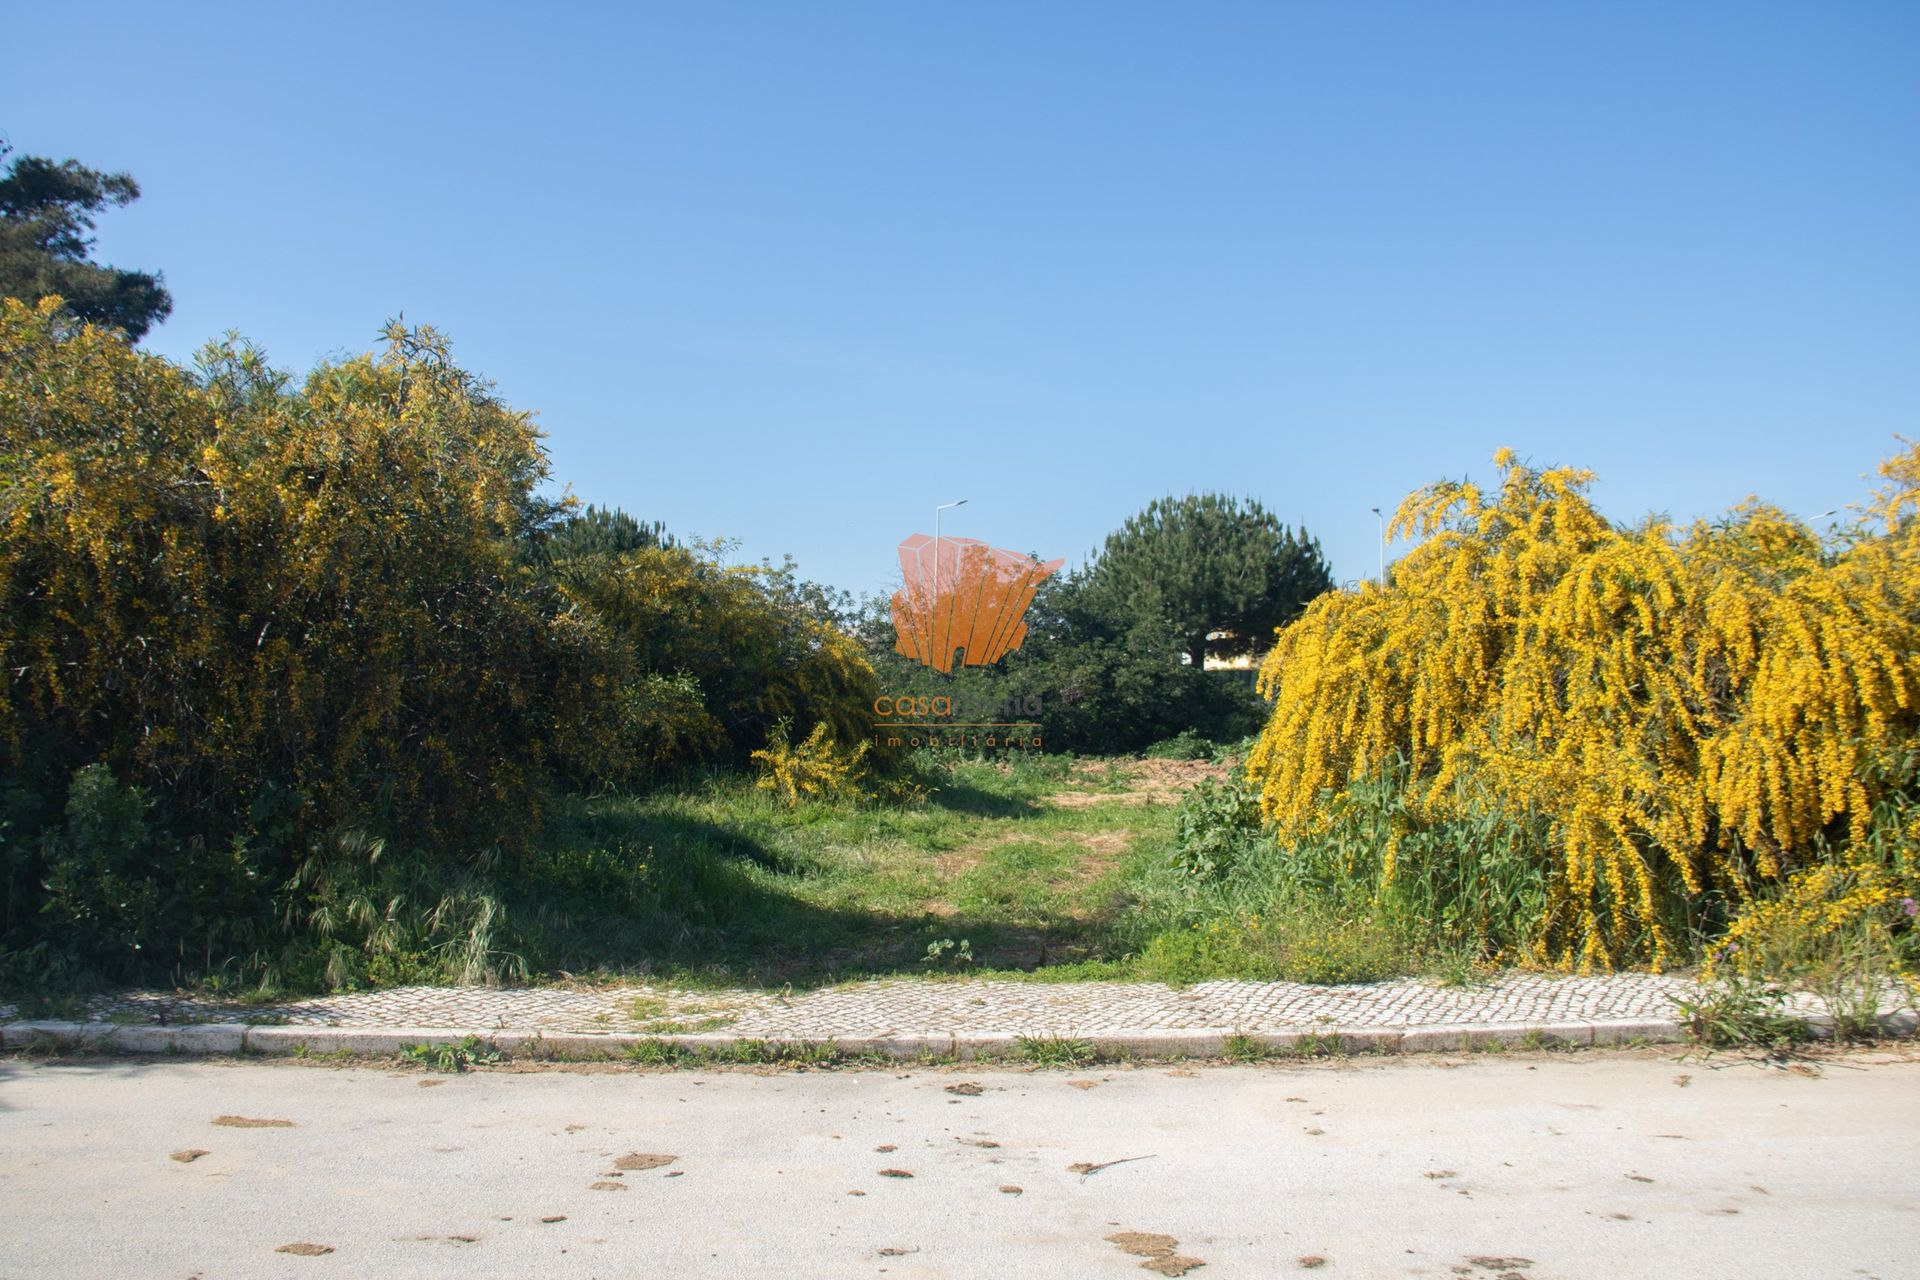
x: 1361, y: 1039
x: 15, y: 1035
x: 369, y: 1041
x: 33, y: 1033
x: 1184, y: 1042
x: 978, y: 1044
x: 909, y: 1018
x: 1442, y: 1039
x: 905, y: 1047
x: 1524, y: 1035
x: 206, y: 1037
x: 113, y: 1037
x: 1627, y: 1030
x: 1902, y: 1022
x: 562, y: 1045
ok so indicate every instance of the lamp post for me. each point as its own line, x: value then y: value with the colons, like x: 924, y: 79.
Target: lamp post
x: 934, y: 604
x: 1383, y: 546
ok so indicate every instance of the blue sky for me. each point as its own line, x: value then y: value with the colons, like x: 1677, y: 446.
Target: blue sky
x: 794, y: 274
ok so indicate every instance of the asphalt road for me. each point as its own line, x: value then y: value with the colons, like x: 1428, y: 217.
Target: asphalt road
x: 1542, y: 1167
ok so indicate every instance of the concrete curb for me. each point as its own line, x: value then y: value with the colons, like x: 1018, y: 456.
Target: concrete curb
x: 226, y: 1038
x: 238, y: 1038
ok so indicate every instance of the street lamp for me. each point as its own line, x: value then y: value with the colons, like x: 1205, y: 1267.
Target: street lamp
x: 1383, y: 545
x: 934, y: 604
x: 936, y: 537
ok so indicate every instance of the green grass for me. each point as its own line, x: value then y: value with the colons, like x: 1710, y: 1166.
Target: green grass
x: 1241, y: 1048
x: 1025, y: 868
x: 1021, y: 868
x: 1054, y: 1051
x: 718, y: 884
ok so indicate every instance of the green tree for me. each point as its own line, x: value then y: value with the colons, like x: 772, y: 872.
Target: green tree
x: 1094, y: 676
x: 46, y: 244
x: 1209, y: 565
x: 603, y: 531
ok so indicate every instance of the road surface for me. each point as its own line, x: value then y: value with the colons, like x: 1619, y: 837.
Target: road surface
x: 1542, y: 1166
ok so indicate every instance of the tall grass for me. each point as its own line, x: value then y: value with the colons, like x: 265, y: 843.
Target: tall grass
x: 1372, y: 891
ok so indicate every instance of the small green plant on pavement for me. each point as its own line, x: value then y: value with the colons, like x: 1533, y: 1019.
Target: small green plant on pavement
x: 1737, y: 1010
x: 458, y: 1056
x: 1055, y: 1051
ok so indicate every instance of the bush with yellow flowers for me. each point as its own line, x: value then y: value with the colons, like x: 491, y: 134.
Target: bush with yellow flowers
x: 817, y: 768
x: 248, y: 624
x: 1687, y: 718
x: 292, y: 669
x: 738, y: 659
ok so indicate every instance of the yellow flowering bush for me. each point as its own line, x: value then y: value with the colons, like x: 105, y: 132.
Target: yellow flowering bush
x: 815, y: 769
x: 1861, y: 899
x: 1688, y: 711
x: 274, y: 613
x: 752, y: 659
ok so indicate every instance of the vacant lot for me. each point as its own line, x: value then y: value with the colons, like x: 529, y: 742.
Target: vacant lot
x: 1028, y: 866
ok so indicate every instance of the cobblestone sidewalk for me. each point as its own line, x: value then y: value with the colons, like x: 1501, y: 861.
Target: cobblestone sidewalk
x: 960, y: 1009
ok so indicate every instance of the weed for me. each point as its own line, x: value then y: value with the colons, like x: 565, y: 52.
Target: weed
x: 1736, y: 1010
x: 787, y: 1053
x: 646, y: 1008
x: 1185, y: 745
x: 1316, y: 1044
x: 1241, y: 1048
x: 1055, y: 1051
x: 954, y: 954
x: 689, y: 1026
x: 655, y: 1053
x: 935, y: 1058
x: 1457, y: 968
x: 458, y: 1056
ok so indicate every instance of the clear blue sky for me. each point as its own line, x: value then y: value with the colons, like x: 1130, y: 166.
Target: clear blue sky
x: 794, y: 273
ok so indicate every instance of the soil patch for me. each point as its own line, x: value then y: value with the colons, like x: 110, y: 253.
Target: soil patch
x: 643, y: 1160
x: 1157, y: 1249
x: 1145, y: 782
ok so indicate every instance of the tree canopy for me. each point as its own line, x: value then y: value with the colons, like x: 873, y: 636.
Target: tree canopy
x: 1206, y: 564
x: 46, y: 244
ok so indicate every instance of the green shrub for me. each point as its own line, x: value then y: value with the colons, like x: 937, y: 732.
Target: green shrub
x: 1322, y: 950
x: 817, y: 769
x: 1185, y: 745
x: 1217, y: 826
x: 1465, y: 886
x: 242, y: 617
